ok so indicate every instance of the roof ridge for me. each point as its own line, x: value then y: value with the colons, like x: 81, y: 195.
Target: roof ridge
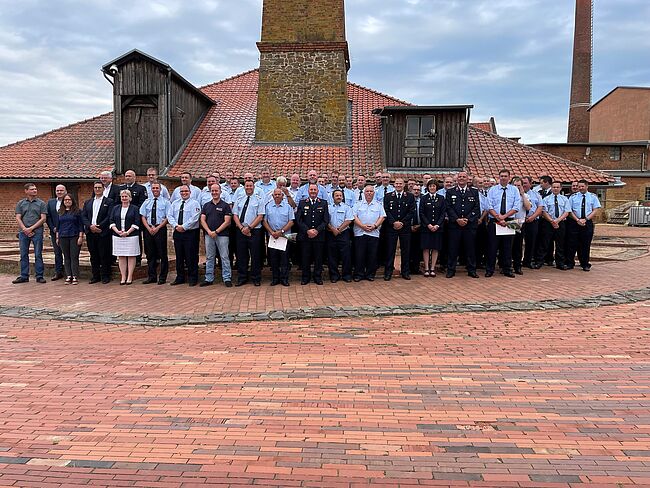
x: 214, y: 83
x: 377, y: 92
x: 51, y: 131
x: 566, y: 161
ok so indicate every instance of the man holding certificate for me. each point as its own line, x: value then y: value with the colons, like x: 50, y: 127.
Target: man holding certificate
x: 278, y: 219
x: 504, y: 202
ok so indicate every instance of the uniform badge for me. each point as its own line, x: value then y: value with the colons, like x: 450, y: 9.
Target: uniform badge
x: 306, y: 207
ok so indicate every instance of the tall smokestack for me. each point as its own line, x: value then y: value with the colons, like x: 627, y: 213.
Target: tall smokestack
x: 581, y: 75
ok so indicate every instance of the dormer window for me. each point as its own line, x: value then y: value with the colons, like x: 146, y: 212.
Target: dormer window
x: 420, y: 134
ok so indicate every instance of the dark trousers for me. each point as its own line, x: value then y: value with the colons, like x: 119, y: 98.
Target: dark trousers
x: 365, y: 252
x: 155, y: 247
x: 549, y: 236
x: 382, y: 246
x: 339, y: 251
x: 279, y: 262
x: 580, y: 238
x: 416, y: 252
x: 464, y: 237
x: 404, y: 237
x: 502, y: 244
x: 100, y: 248
x: 186, y: 245
x: 530, y: 233
x: 480, y: 247
x: 248, y: 248
x: 58, y: 255
x: 312, y: 250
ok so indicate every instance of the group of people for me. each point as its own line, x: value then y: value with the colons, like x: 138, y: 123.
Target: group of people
x: 351, y: 225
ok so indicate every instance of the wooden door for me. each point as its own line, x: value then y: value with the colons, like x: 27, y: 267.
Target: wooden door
x: 140, y: 136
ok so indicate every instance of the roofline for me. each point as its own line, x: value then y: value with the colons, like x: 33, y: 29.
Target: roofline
x: 135, y: 52
x: 616, y: 88
x: 419, y: 108
x: 586, y: 144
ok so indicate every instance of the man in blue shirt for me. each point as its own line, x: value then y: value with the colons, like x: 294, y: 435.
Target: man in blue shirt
x: 152, y: 177
x: 278, y: 220
x: 303, y: 192
x: 530, y: 228
x: 338, y: 238
x: 584, y: 207
x: 186, y: 180
x: 552, y: 229
x: 505, y: 202
x: 183, y: 216
x: 265, y: 183
x: 248, y: 213
x: 383, y: 187
x: 369, y: 215
x: 153, y: 213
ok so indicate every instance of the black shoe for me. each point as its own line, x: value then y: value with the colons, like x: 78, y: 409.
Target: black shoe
x: 94, y: 280
x: 149, y: 281
x: 106, y: 281
x: 193, y: 283
x: 562, y: 267
x: 450, y: 274
x: 57, y: 276
x: 509, y: 274
x: 356, y: 279
x: 285, y: 282
x: 334, y: 280
x: 205, y: 283
x: 177, y: 282
x: 275, y: 282
x: 20, y: 279
x: 388, y: 277
x: 347, y: 280
x: 489, y: 274
x: 241, y: 283
x: 529, y: 265
x: 228, y: 284
x: 257, y: 283
x: 472, y: 274
x: 406, y: 276
x: 318, y: 282
x: 370, y: 278
x: 519, y: 271
x: 304, y: 282
x: 584, y: 268
x: 162, y: 282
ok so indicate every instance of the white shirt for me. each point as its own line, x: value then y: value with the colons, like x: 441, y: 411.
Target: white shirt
x: 97, y: 204
x: 58, y: 204
x: 107, y: 189
x: 123, y: 216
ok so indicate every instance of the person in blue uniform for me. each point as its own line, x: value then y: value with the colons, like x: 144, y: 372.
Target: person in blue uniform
x: 552, y: 228
x: 399, y: 207
x: 584, y: 207
x: 369, y: 214
x: 278, y: 220
x: 338, y: 238
x: 153, y: 213
x: 433, y: 209
x: 463, y: 211
x: 248, y: 213
x: 505, y: 202
x: 312, y: 218
x: 183, y: 216
x: 530, y: 228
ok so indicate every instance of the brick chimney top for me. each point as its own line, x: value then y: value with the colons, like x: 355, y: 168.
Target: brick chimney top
x: 578, y: 130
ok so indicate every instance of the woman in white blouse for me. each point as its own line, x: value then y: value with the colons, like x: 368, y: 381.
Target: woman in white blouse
x: 125, y: 220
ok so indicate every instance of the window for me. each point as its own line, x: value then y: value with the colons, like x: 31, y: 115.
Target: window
x: 615, y: 153
x: 420, y: 132
x: 647, y: 193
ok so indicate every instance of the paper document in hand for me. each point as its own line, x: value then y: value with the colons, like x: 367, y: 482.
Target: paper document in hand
x: 504, y: 231
x: 280, y: 243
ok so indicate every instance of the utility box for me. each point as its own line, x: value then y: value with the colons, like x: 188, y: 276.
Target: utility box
x: 639, y: 216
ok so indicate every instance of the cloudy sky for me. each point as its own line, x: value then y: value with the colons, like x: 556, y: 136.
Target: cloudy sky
x: 510, y: 58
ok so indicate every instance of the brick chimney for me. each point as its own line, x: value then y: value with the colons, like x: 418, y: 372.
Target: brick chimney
x: 581, y: 75
x: 304, y: 60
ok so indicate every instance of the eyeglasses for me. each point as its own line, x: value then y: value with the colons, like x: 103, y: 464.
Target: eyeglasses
x: 184, y: 191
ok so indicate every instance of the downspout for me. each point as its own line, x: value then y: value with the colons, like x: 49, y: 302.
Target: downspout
x: 169, y: 118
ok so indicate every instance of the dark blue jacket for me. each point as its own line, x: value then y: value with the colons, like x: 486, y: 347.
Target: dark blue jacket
x: 132, y: 218
x: 70, y: 224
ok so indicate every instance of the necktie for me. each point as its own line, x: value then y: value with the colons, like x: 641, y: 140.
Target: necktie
x: 462, y: 191
x: 503, y: 201
x: 343, y: 197
x: 360, y: 194
x: 242, y: 217
x: 180, y: 213
x: 154, y: 210
x: 557, y: 208
x: 583, y: 215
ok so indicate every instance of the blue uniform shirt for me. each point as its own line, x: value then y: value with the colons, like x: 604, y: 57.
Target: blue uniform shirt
x: 442, y: 192
x: 381, y: 191
x: 162, y: 208
x: 277, y: 216
x: 265, y: 187
x: 242, y: 191
x: 164, y: 192
x: 255, y: 208
x: 368, y: 213
x: 591, y: 203
x: 562, y: 203
x: 513, y: 199
x: 303, y: 193
x: 339, y: 214
x: 191, y: 213
x: 535, y: 202
x: 195, y: 193
x: 483, y: 201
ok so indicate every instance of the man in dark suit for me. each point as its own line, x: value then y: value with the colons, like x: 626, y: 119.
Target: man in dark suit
x: 96, y: 219
x: 463, y: 211
x: 312, y: 218
x: 110, y: 190
x: 400, y: 208
x: 53, y: 205
x: 138, y: 191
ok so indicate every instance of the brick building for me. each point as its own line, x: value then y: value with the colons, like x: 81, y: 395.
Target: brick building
x: 298, y: 111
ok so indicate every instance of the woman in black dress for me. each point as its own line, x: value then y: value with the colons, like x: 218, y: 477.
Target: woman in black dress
x: 432, y: 215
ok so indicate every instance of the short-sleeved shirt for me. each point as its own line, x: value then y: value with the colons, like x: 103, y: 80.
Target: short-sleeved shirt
x: 562, y: 205
x: 368, y: 214
x: 215, y: 215
x: 277, y: 216
x: 339, y: 214
x: 255, y: 208
x: 30, y: 212
x: 535, y: 202
x: 591, y: 203
x: 162, y: 207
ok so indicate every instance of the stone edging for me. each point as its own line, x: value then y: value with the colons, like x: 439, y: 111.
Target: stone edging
x: 617, y: 298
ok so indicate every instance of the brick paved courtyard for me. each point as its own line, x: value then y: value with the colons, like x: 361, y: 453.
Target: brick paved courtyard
x: 532, y: 398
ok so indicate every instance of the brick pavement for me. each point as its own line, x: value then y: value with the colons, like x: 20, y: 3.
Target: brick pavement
x: 523, y: 399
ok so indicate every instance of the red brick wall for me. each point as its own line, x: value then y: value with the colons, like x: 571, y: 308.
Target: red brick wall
x: 623, y: 116
x: 581, y: 74
x: 599, y: 156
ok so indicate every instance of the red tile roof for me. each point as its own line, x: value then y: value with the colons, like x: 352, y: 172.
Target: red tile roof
x: 486, y: 126
x: 80, y: 150
x: 226, y: 140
